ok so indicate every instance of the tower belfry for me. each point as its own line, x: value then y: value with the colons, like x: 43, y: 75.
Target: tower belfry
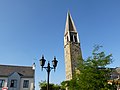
x: 71, y: 47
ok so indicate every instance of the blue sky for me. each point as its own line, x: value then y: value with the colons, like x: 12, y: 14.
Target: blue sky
x: 30, y: 28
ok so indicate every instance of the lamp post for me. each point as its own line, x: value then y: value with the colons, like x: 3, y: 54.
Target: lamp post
x: 48, y: 68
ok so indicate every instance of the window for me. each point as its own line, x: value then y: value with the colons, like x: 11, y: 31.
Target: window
x: 71, y: 38
x: 13, y: 83
x: 2, y: 81
x: 75, y: 38
x: 26, y: 84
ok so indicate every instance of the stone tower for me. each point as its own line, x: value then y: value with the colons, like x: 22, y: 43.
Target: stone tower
x: 71, y: 47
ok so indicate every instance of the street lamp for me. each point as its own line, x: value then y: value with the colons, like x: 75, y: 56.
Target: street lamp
x: 48, y: 68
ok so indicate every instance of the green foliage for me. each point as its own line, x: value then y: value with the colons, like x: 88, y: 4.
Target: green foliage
x: 93, y: 73
x: 43, y: 86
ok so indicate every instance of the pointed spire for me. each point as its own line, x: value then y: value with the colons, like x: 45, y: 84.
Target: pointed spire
x: 69, y: 24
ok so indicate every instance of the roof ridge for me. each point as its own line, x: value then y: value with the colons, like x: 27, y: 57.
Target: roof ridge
x: 14, y: 65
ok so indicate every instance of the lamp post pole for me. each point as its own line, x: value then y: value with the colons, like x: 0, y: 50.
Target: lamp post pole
x: 48, y: 68
x: 48, y: 71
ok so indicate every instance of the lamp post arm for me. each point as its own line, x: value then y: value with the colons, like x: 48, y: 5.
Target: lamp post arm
x: 48, y: 69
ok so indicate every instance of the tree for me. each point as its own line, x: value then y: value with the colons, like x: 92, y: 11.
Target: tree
x: 43, y: 86
x: 93, y: 73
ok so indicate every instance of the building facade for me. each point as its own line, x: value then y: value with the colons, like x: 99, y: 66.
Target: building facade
x: 71, y: 47
x: 17, y: 77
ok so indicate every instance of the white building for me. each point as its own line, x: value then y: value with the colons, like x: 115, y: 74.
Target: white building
x: 17, y: 77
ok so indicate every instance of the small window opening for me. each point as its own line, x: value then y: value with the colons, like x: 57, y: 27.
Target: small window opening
x: 71, y: 38
x: 75, y: 38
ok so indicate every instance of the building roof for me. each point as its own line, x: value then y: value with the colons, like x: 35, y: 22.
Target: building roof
x: 116, y: 70
x: 23, y: 71
x: 69, y: 24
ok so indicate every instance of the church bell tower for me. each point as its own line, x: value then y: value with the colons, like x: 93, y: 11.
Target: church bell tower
x: 71, y: 47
